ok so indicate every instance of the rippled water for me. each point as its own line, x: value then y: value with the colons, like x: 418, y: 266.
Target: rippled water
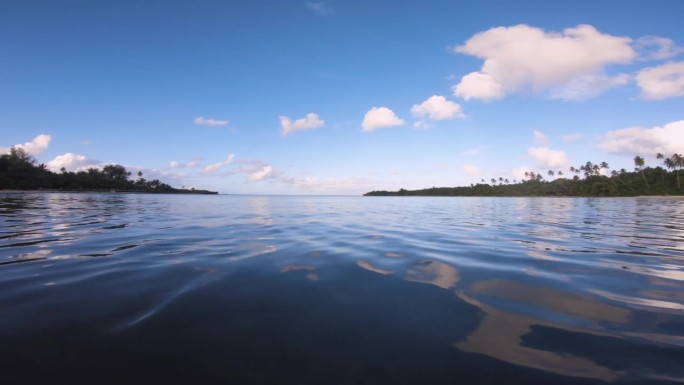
x: 111, y: 288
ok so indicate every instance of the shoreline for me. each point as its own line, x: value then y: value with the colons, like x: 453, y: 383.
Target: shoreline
x: 179, y: 192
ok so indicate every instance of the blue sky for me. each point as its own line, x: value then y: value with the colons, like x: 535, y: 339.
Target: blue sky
x: 340, y: 97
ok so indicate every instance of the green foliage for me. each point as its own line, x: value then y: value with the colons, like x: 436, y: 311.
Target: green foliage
x: 19, y: 171
x: 598, y: 180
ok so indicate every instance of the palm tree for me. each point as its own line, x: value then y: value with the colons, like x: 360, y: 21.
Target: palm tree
x: 616, y: 175
x: 675, y: 162
x: 639, y: 167
x: 141, y: 181
x: 551, y: 173
x: 560, y: 173
x: 588, y: 169
x: 679, y: 162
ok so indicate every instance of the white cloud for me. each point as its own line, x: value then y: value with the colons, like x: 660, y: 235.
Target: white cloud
x: 588, y: 86
x: 668, y: 139
x: 572, y: 137
x: 216, y: 166
x: 540, y: 137
x: 437, y: 108
x: 319, y: 7
x: 662, y: 82
x: 34, y: 147
x: 264, y: 173
x: 191, y: 164
x: 471, y: 170
x: 309, y: 122
x: 477, y: 85
x: 545, y: 157
x: 473, y: 151
x: 72, y: 162
x: 202, y: 121
x: 528, y: 59
x: 380, y: 117
x: 254, y: 170
x: 657, y: 48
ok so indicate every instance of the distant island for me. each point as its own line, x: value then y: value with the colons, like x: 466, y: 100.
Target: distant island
x: 587, y: 180
x: 20, y: 171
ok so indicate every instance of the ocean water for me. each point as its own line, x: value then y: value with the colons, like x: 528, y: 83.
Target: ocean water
x: 116, y: 288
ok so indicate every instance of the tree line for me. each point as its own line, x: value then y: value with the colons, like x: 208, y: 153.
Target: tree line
x: 589, y: 179
x: 20, y: 171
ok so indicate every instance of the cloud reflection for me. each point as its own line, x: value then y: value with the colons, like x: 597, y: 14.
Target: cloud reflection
x: 369, y: 267
x: 433, y: 272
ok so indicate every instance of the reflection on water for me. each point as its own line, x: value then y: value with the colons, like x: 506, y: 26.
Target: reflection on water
x: 309, y: 290
x: 500, y: 335
x: 369, y: 267
x: 433, y: 272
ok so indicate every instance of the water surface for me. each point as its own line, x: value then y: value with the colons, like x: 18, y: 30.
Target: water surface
x: 112, y: 288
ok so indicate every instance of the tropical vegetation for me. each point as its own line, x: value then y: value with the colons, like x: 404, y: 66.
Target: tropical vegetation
x: 20, y: 171
x: 589, y: 179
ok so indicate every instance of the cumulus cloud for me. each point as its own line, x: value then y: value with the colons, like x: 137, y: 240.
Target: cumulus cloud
x: 527, y: 59
x: 478, y: 85
x: 661, y: 82
x: 309, y: 122
x: 34, y: 147
x: 471, y: 170
x: 380, y: 117
x: 72, y: 162
x: 657, y: 48
x: 540, y: 137
x: 202, y: 121
x: 572, y: 137
x: 545, y: 157
x: 216, y: 166
x: 437, y: 108
x: 668, y: 139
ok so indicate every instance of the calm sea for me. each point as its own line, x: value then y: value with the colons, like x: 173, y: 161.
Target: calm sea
x: 117, y: 288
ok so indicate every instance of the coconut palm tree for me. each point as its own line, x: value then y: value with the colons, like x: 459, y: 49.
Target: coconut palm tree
x: 616, y: 175
x: 676, y: 163
x: 639, y: 167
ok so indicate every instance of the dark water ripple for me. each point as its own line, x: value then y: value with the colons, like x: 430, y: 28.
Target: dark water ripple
x: 341, y: 290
